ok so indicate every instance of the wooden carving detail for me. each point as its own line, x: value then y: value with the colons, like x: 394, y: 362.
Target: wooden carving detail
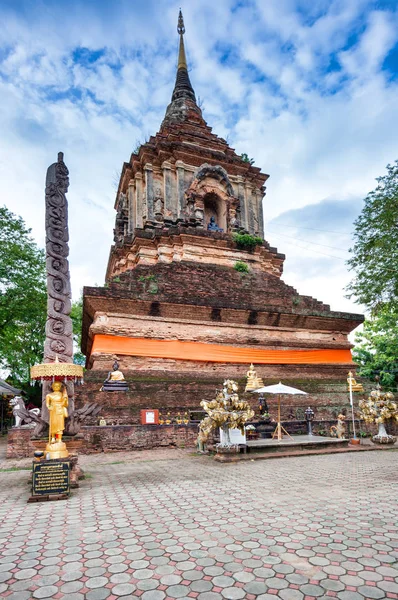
x: 59, y: 341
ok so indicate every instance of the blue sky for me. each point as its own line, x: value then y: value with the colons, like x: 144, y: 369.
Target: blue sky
x: 306, y: 88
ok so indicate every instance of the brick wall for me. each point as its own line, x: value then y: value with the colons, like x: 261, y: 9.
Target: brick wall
x: 137, y: 437
x: 181, y: 392
x: 111, y: 438
x: 190, y: 291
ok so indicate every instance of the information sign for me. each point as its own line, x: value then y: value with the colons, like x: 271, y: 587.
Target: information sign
x: 50, y: 477
x: 149, y: 417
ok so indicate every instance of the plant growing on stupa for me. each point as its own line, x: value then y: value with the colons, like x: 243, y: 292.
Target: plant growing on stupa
x: 379, y: 408
x: 226, y: 411
x: 245, y: 241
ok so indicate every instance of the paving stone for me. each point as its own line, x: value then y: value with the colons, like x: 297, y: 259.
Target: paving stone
x: 178, y: 591
x: 71, y: 576
x: 310, y: 589
x: 233, y: 593
x: 245, y: 577
x: 349, y: 595
x: 257, y: 587
x: 165, y: 569
x: 96, y: 582
x: 153, y: 595
x: 213, y: 571
x: 371, y: 592
x: 45, y: 592
x: 98, y: 594
x: 223, y: 581
x: 123, y: 589
x: 290, y: 594
x: 332, y: 584
x: 201, y: 585
x: 170, y: 579
x: 71, y: 586
x: 20, y: 596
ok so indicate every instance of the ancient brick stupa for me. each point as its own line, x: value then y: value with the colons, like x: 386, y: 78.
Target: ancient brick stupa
x: 176, y: 311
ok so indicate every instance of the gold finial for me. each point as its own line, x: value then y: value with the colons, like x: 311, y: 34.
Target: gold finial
x: 180, y: 26
x: 182, y: 60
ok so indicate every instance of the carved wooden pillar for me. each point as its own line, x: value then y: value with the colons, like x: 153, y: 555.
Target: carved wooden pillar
x: 59, y: 336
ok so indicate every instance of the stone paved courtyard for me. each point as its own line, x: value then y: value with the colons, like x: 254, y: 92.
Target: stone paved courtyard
x: 169, y: 524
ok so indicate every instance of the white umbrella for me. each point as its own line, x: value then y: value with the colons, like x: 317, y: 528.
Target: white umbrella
x: 279, y: 389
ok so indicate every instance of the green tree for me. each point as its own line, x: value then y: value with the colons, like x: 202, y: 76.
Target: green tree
x: 376, y: 350
x: 23, y: 298
x: 375, y: 252
x: 77, y: 321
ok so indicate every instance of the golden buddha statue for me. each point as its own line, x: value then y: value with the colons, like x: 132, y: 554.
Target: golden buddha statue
x: 115, y: 382
x: 253, y: 382
x: 356, y: 387
x: 57, y: 404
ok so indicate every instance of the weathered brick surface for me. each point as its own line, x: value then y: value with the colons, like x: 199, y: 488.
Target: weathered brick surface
x: 135, y: 437
x: 180, y: 392
x: 18, y: 443
x: 112, y: 438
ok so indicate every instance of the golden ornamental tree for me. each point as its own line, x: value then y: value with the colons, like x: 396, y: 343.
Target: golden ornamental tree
x: 379, y: 408
x: 226, y: 411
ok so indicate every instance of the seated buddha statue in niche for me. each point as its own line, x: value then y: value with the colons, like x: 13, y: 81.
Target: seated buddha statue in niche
x: 115, y: 382
x: 212, y: 225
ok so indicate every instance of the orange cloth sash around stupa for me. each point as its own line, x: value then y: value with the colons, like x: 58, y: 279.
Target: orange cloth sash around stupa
x: 200, y: 351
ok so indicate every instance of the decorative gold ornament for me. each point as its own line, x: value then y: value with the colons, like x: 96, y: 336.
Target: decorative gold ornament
x: 355, y: 387
x: 57, y: 371
x: 57, y: 404
x: 226, y: 411
x: 379, y: 408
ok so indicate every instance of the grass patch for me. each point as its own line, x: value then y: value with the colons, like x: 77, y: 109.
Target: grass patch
x: 11, y: 469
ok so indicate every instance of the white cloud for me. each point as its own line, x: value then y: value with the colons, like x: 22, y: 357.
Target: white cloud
x: 261, y: 69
